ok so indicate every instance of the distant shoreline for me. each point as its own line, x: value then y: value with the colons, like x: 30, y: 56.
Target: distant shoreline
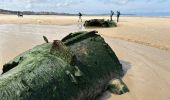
x: 10, y: 12
x: 92, y: 15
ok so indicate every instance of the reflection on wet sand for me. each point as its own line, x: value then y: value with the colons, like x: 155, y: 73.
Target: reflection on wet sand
x: 17, y: 38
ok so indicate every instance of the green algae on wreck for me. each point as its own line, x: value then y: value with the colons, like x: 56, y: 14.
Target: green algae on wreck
x: 79, y: 67
x: 100, y: 23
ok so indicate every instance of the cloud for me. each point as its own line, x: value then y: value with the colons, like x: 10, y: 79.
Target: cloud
x: 45, y: 4
x: 157, y: 0
x: 124, y: 2
x: 117, y: 2
x: 98, y: 6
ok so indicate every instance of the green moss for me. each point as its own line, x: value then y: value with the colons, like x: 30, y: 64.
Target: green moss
x: 99, y: 23
x: 77, y: 68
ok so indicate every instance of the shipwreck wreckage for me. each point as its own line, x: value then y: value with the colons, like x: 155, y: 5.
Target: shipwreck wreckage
x: 100, y: 23
x: 79, y: 67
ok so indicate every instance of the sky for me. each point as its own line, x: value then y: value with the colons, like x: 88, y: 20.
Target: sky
x: 88, y: 6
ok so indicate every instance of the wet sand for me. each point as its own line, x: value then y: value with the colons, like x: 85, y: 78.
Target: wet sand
x: 17, y: 38
x: 43, y: 19
x: 151, y: 31
x: 146, y: 71
x: 145, y: 58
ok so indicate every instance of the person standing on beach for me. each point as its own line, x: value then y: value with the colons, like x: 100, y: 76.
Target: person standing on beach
x: 19, y: 14
x: 80, y: 17
x: 111, y: 15
x: 118, y: 15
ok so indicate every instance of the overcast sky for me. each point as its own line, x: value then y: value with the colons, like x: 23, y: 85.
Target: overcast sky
x: 87, y: 6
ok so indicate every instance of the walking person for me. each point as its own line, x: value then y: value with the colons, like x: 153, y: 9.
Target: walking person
x: 111, y: 15
x: 118, y: 15
x: 80, y: 17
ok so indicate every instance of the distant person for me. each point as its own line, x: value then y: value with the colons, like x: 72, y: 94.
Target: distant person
x: 111, y: 15
x: 118, y: 15
x: 80, y: 17
x: 20, y: 14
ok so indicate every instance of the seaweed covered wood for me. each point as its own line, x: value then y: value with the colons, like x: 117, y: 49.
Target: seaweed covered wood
x: 77, y: 68
x: 99, y: 23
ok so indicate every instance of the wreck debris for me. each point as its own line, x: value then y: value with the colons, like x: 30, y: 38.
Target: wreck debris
x: 61, y: 70
x: 99, y: 23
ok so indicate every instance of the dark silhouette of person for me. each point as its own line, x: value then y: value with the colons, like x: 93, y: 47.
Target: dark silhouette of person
x: 111, y: 15
x: 20, y: 14
x: 80, y: 17
x: 118, y: 15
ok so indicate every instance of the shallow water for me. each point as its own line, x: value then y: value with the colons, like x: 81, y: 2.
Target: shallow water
x: 17, y: 38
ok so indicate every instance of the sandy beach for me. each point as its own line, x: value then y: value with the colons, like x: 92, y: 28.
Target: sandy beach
x: 147, y: 71
x: 142, y: 45
x: 151, y: 31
